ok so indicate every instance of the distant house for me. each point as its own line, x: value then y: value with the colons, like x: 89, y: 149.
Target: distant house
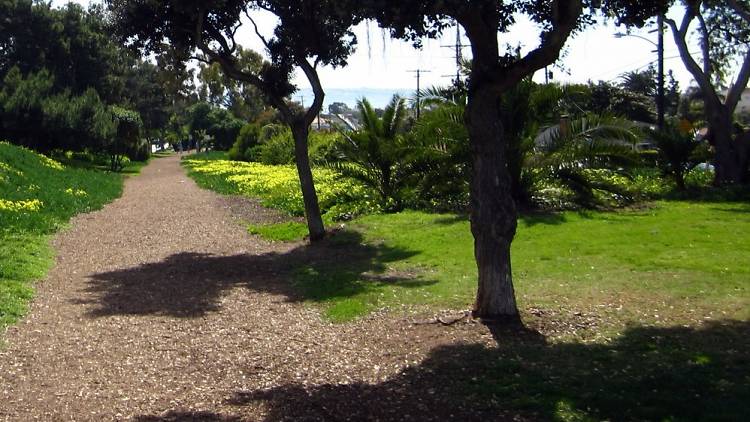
x: 333, y: 121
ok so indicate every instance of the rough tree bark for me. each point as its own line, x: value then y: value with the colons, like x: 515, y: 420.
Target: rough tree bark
x: 493, y: 210
x: 729, y: 163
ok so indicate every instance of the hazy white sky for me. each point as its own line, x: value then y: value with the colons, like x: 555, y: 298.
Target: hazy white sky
x: 384, y: 63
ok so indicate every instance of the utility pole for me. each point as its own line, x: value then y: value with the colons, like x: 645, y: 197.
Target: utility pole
x: 458, y: 51
x: 419, y: 73
x: 660, y: 83
x: 660, y: 60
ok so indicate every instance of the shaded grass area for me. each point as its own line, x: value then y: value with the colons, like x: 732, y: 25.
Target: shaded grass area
x: 351, y: 277
x: 50, y: 194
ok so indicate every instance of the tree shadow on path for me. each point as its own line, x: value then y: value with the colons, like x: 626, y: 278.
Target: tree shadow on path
x: 189, y: 285
x: 647, y: 374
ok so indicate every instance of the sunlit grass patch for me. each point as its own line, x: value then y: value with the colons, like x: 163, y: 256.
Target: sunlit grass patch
x: 284, y: 232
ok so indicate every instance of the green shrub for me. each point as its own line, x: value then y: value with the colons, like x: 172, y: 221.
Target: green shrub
x: 378, y: 156
x: 141, y: 152
x: 649, y: 157
x: 248, y: 138
x: 278, y: 149
x: 224, y: 129
x: 679, y: 152
x: 84, y: 156
x: 127, y: 142
x: 699, y: 177
x: 323, y: 146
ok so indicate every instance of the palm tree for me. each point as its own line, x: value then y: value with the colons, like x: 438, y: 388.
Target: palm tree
x: 440, y: 150
x: 376, y: 155
x: 679, y: 152
x: 568, y: 153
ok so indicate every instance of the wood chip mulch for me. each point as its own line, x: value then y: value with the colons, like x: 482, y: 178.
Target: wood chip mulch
x: 162, y: 308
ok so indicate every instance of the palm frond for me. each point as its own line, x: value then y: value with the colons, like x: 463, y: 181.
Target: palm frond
x: 370, y: 121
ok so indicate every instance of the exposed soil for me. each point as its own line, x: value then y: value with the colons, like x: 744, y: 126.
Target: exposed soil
x: 162, y: 307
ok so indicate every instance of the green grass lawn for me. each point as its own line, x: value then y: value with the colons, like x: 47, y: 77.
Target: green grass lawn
x: 644, y: 313
x: 673, y: 262
x: 37, y: 197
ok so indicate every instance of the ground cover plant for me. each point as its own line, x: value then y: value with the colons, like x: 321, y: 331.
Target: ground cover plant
x: 278, y: 185
x: 38, y: 196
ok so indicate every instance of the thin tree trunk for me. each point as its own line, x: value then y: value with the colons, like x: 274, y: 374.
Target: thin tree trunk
x: 728, y: 155
x: 309, y: 196
x: 493, y: 212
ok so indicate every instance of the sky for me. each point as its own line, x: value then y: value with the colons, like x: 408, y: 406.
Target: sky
x: 382, y: 63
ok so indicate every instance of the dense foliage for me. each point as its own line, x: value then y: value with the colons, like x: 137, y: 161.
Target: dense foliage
x: 378, y: 155
x: 63, y: 79
x: 679, y: 151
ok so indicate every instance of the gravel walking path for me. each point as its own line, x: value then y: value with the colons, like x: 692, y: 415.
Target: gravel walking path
x: 162, y: 307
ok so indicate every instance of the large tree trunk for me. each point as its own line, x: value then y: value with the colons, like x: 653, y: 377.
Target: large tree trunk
x: 729, y: 154
x: 493, y: 212
x: 312, y: 210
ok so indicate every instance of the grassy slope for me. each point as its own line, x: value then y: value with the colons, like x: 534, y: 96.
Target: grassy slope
x: 25, y: 254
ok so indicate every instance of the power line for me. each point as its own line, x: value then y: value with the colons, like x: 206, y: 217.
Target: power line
x: 623, y: 68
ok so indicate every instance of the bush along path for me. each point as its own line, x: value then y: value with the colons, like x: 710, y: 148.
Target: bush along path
x: 162, y: 307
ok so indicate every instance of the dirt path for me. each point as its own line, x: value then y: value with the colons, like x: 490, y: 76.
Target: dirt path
x: 161, y: 307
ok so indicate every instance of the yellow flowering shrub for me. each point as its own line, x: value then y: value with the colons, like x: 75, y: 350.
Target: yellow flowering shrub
x: 76, y: 192
x: 50, y: 163
x: 6, y: 170
x: 278, y: 186
x: 32, y: 205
